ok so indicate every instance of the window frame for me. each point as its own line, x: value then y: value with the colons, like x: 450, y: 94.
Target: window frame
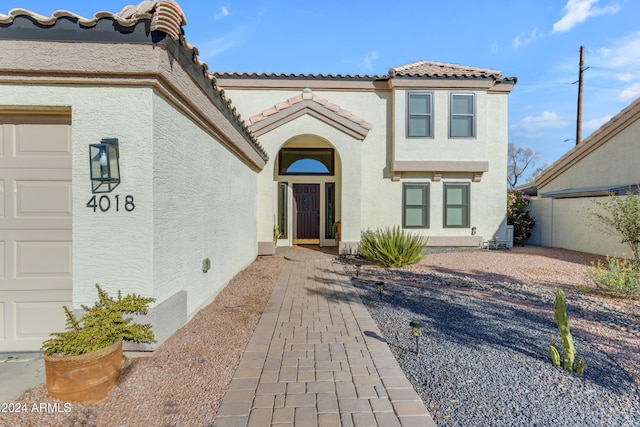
x: 473, y: 115
x: 425, y: 216
x: 429, y: 116
x: 283, y: 208
x: 306, y: 153
x: 330, y: 208
x: 466, y: 205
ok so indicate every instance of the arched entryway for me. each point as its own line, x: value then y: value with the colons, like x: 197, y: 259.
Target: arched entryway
x: 307, y: 173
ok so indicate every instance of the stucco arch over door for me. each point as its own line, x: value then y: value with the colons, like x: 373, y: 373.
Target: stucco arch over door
x: 307, y: 173
x: 310, y: 121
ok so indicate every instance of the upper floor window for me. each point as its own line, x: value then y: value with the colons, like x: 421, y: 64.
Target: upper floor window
x: 462, y: 121
x: 420, y: 115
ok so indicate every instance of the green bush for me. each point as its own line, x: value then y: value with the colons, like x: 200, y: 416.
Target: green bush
x: 391, y: 247
x: 101, y: 325
x: 618, y: 276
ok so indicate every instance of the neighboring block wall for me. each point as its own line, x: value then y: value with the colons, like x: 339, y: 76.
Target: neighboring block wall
x: 563, y: 223
x: 608, y: 157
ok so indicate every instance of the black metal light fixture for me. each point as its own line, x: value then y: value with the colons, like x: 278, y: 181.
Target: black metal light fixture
x: 416, y: 331
x: 104, y: 165
x: 358, y: 268
x: 380, y: 287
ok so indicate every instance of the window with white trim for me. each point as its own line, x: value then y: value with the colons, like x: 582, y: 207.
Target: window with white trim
x: 462, y: 118
x: 419, y: 115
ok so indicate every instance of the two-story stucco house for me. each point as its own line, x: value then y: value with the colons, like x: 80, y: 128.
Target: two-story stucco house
x: 124, y: 161
x: 423, y: 147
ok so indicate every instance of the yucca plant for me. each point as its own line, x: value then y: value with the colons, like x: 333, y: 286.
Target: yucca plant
x: 391, y: 247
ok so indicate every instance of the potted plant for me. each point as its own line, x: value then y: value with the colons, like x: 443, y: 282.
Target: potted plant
x: 336, y: 231
x: 84, y: 362
x: 276, y: 235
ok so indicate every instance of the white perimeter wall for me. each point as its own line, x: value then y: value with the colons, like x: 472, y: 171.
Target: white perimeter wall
x: 193, y: 198
x: 112, y: 248
x: 204, y: 206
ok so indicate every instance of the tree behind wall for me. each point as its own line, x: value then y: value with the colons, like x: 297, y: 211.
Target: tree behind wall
x: 520, y: 160
x: 519, y: 216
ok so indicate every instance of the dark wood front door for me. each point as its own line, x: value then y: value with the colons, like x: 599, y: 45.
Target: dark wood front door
x: 307, y: 213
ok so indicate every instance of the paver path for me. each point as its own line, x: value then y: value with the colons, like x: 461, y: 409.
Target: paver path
x: 318, y: 359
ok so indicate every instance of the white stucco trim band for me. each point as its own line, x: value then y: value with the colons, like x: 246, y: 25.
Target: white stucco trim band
x: 437, y: 168
x: 315, y: 110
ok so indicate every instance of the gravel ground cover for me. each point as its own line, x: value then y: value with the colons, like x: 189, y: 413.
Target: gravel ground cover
x: 484, y: 354
x: 181, y: 383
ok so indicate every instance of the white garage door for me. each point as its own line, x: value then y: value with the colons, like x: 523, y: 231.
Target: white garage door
x: 35, y: 227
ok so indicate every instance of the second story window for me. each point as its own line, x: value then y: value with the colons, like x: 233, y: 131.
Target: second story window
x: 462, y: 122
x: 419, y: 115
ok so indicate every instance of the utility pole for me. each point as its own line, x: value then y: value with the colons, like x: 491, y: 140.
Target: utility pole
x: 579, y: 118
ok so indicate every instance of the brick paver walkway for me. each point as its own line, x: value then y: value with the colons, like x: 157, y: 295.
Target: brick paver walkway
x: 317, y: 359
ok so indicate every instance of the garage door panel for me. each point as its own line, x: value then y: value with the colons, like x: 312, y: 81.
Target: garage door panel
x: 43, y: 198
x: 35, y: 227
x: 43, y: 259
x: 36, y: 259
x: 2, y: 261
x: 29, y: 315
x: 42, y: 139
x: 22, y: 327
x: 3, y: 324
x: 2, y: 195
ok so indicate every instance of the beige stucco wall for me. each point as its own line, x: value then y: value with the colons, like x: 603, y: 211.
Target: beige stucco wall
x: 369, y: 197
x: 613, y: 163
x: 563, y: 222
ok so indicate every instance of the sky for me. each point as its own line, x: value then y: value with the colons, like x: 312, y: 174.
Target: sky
x: 537, y: 41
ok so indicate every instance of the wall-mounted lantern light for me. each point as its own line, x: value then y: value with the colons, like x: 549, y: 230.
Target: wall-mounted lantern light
x: 380, y: 286
x: 416, y: 331
x: 473, y: 231
x: 103, y: 163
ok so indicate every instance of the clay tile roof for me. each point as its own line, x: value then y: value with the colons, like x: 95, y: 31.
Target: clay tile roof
x: 308, y: 95
x: 440, y: 69
x: 165, y: 16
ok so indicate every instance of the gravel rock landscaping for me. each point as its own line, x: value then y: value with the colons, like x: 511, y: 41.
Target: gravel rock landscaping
x: 484, y: 353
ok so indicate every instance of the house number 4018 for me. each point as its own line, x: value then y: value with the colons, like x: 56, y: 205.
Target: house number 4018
x: 104, y: 203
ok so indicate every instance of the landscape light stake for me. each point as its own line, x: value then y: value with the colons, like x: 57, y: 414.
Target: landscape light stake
x: 416, y: 330
x: 358, y: 267
x: 380, y: 286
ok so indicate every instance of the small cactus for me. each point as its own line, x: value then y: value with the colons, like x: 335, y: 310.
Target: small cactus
x: 568, y: 350
x: 555, y: 354
x: 580, y: 367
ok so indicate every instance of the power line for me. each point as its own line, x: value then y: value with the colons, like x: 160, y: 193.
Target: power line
x: 615, y: 70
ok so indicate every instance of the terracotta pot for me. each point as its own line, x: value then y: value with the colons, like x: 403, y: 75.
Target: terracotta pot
x: 84, y: 378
